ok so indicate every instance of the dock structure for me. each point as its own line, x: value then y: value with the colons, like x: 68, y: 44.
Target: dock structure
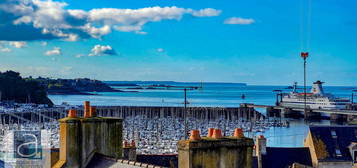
x: 201, y: 113
x: 349, y: 114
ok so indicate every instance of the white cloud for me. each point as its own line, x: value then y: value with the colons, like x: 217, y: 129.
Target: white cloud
x: 239, y: 20
x: 18, y: 44
x: 49, y: 19
x: 54, y: 51
x: 96, y: 32
x: 79, y: 55
x: 5, y: 49
x: 208, y: 12
x: 160, y: 50
x: 99, y: 50
x: 79, y: 14
x: 130, y: 28
x: 141, y: 32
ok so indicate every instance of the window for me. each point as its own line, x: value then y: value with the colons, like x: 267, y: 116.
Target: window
x: 333, y: 134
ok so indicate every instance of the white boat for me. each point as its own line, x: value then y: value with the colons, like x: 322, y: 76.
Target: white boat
x: 317, y: 99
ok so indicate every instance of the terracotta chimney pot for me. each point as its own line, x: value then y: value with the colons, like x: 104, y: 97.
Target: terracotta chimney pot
x: 210, y: 132
x: 72, y: 113
x: 195, y: 135
x: 238, y: 132
x: 86, y: 109
x: 217, y: 133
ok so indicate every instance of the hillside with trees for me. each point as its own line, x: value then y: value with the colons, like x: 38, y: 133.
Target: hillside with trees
x: 15, y: 88
x: 79, y: 86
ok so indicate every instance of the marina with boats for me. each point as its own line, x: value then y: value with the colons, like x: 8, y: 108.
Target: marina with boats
x: 156, y: 129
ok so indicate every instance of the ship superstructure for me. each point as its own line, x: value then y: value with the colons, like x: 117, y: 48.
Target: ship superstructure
x: 316, y: 99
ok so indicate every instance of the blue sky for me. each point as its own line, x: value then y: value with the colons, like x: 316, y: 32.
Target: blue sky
x: 180, y: 40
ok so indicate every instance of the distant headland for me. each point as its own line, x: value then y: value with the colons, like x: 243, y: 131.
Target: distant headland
x: 78, y: 86
x: 14, y: 88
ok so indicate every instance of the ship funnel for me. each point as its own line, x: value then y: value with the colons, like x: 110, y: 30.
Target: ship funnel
x: 317, y: 88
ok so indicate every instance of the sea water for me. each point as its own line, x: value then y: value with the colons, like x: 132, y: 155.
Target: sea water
x: 211, y: 95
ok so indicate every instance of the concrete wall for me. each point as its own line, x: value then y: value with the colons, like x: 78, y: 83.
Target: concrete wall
x: 216, y: 153
x: 81, y: 138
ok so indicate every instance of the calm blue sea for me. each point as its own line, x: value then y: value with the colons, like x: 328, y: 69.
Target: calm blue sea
x: 212, y: 95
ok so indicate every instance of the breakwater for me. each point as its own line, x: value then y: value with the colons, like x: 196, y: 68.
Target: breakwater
x: 202, y: 113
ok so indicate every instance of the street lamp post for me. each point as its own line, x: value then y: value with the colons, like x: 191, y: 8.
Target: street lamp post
x: 352, y: 96
x: 304, y: 55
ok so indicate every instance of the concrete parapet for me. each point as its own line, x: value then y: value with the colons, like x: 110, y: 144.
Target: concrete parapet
x: 227, y: 152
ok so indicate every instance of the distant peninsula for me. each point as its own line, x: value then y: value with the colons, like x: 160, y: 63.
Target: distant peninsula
x: 79, y: 86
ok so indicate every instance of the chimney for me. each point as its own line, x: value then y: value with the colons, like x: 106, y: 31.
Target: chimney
x: 70, y: 150
x: 261, y: 149
x: 129, y: 151
x: 215, y: 151
x: 81, y: 138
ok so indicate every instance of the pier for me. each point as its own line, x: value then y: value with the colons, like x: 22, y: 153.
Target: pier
x: 201, y: 113
x: 349, y: 114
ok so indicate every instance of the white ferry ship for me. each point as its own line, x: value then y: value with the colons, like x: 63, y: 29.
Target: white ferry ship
x: 317, y: 99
